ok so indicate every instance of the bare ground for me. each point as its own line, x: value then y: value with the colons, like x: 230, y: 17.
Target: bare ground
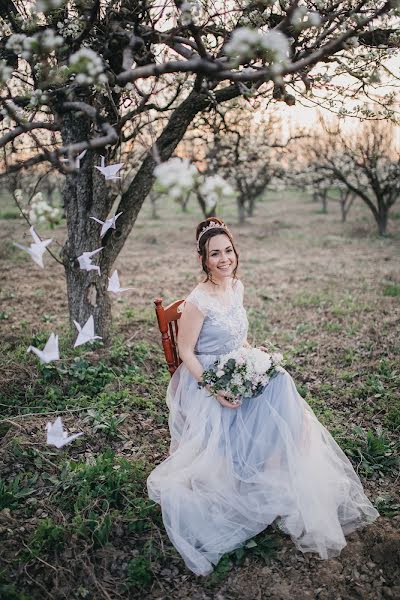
x: 323, y: 292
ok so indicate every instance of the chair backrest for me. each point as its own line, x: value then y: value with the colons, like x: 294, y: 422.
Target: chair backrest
x: 167, y: 317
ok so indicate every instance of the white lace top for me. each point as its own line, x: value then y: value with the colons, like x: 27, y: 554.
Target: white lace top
x: 225, y: 325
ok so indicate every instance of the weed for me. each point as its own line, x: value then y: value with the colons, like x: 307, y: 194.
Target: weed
x: 333, y: 327
x: 105, y: 423
x: 8, y: 592
x: 262, y: 547
x: 47, y: 537
x: 142, y: 514
x: 371, y: 451
x: 139, y: 573
x: 309, y: 300
x: 14, y: 492
x: 392, y: 290
x: 387, y: 505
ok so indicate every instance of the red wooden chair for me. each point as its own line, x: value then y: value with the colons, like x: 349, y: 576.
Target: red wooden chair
x: 167, y: 317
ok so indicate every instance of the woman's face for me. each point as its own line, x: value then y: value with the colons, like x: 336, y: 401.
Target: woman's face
x: 221, y: 258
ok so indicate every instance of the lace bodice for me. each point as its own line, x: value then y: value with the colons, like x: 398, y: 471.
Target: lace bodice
x: 225, y: 325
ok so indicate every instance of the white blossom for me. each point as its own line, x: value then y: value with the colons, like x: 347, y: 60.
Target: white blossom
x: 41, y: 211
x: 176, y: 176
x: 71, y: 27
x: 214, y: 189
x: 38, y: 97
x: 189, y: 11
x: 49, y: 5
x: 302, y: 18
x: 89, y: 67
x: 49, y: 40
x: 15, y: 43
x: 246, y: 44
x: 43, y: 42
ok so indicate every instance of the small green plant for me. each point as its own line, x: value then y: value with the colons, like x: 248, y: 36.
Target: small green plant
x: 387, y: 505
x: 47, y: 537
x: 105, y: 423
x: 392, y: 290
x: 18, y: 489
x: 8, y: 592
x: 262, y: 547
x: 139, y: 573
x: 371, y: 451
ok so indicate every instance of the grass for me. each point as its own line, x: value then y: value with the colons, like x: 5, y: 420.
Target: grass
x: 392, y: 290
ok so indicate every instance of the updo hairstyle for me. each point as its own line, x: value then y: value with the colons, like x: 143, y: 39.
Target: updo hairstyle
x: 204, y: 244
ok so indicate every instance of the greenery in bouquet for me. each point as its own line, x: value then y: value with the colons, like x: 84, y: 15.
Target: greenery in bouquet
x: 243, y: 373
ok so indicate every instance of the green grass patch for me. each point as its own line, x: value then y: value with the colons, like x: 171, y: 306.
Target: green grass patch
x: 312, y: 300
x: 262, y: 548
x: 392, y: 290
x: 47, y: 538
x: 371, y: 451
x: 14, y: 492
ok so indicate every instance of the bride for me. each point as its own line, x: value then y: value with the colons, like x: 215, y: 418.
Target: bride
x: 234, y: 469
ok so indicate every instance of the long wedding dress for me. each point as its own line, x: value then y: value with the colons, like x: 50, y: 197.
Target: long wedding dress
x: 232, y: 472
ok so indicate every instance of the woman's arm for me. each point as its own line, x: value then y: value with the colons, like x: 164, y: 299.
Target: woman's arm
x: 190, y: 325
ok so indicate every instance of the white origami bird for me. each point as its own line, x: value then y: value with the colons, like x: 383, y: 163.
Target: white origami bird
x: 50, y: 351
x: 37, y: 249
x: 114, y: 285
x: 108, y: 224
x: 56, y: 436
x: 85, y: 261
x: 86, y: 333
x: 77, y: 159
x: 111, y: 171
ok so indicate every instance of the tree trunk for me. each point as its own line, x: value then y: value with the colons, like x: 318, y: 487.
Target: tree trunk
x: 87, y: 295
x: 241, y: 210
x: 153, y: 200
x: 324, y: 202
x: 382, y: 220
x: 250, y: 206
x: 85, y: 194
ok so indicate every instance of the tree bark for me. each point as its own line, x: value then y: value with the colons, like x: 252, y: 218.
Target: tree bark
x: 382, y: 220
x: 241, y: 210
x: 251, y: 205
x: 85, y: 195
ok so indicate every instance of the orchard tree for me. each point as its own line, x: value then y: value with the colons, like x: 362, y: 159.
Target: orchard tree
x: 364, y: 164
x: 239, y: 147
x: 111, y: 76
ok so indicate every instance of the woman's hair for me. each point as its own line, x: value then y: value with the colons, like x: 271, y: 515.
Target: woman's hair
x: 204, y: 243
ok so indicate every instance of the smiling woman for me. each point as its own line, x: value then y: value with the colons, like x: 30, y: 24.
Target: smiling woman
x: 236, y: 467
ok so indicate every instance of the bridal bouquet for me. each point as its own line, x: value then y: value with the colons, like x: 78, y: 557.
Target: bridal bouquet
x: 243, y: 372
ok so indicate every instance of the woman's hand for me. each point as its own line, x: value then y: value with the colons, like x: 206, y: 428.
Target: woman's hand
x: 222, y: 398
x: 264, y: 349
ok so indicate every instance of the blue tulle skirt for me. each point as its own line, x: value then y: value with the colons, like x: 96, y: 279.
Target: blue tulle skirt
x: 231, y: 473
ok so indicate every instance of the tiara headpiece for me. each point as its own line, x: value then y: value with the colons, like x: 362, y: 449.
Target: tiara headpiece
x: 211, y: 225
